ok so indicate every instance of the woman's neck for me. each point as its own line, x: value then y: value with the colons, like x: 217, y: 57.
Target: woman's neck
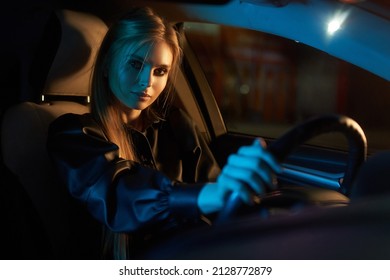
x: 129, y: 117
x: 133, y: 118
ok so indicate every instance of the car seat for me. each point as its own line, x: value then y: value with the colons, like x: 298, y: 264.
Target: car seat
x: 69, y: 231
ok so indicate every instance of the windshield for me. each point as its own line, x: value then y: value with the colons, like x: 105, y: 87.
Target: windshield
x: 264, y: 84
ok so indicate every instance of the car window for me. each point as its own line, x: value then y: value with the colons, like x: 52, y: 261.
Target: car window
x: 264, y: 84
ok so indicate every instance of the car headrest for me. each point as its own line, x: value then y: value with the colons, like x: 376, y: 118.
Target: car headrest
x: 81, y: 36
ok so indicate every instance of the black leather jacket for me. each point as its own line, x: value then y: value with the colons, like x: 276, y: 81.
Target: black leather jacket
x: 157, y: 194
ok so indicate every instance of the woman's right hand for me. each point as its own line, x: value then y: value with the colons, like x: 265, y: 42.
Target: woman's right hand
x: 247, y: 173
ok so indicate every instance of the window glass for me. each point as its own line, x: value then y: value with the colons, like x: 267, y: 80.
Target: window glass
x: 264, y: 84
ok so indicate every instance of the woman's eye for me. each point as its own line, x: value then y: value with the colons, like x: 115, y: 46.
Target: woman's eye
x: 160, y: 71
x: 136, y: 64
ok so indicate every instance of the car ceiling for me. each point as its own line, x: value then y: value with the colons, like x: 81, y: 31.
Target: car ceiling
x: 363, y: 39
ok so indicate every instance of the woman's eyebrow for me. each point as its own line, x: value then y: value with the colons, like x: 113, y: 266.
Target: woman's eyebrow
x: 138, y: 57
x: 143, y: 59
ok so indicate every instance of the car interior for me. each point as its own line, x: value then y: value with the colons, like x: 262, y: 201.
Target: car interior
x: 62, y: 228
x: 46, y: 223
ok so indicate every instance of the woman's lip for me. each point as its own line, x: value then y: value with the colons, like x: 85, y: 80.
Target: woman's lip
x: 142, y: 94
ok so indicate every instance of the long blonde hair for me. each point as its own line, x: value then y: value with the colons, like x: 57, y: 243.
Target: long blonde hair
x: 140, y: 27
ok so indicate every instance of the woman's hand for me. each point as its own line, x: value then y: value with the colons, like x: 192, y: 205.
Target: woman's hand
x: 247, y: 172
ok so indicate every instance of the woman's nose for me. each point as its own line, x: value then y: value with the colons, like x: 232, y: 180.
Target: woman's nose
x: 145, y: 77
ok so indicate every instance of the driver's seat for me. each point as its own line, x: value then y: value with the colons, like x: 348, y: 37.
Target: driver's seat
x: 70, y: 231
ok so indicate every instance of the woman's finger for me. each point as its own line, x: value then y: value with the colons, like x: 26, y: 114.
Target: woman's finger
x: 252, y: 165
x: 247, y: 178
x: 256, y: 150
x: 230, y: 184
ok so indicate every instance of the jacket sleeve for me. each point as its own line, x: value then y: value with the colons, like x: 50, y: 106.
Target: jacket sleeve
x: 122, y: 194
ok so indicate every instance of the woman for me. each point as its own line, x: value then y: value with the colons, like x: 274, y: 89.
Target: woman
x: 142, y: 168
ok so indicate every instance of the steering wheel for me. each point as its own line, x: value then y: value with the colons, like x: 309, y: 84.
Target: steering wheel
x: 288, y: 142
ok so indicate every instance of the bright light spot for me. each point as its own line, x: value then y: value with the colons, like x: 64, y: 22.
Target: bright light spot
x: 333, y: 26
x: 336, y: 22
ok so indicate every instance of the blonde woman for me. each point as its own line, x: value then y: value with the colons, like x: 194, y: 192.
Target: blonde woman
x: 141, y: 167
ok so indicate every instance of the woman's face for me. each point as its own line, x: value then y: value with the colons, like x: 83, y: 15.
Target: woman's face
x: 139, y: 80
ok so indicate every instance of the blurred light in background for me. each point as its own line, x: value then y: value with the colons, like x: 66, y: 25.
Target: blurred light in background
x: 336, y: 22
